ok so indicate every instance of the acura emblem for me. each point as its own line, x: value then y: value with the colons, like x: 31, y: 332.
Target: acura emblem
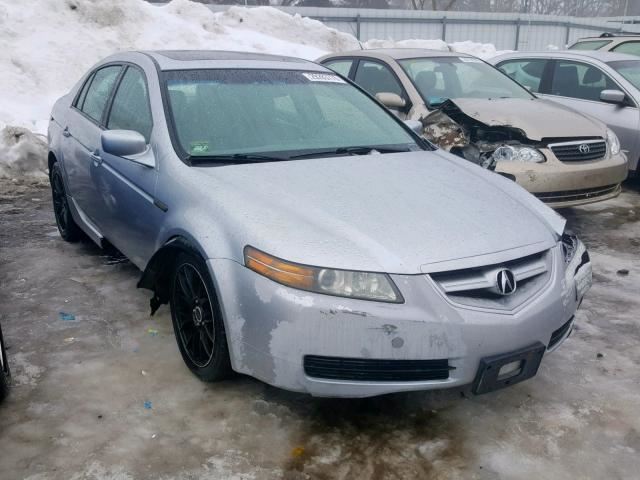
x: 584, y: 148
x: 506, y: 282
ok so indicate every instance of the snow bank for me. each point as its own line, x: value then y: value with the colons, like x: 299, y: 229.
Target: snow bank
x: 48, y: 44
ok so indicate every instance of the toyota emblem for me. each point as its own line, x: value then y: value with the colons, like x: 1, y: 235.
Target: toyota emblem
x: 584, y: 148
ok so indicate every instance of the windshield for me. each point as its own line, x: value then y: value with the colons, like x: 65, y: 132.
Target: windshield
x: 629, y: 69
x: 442, y: 78
x: 248, y: 112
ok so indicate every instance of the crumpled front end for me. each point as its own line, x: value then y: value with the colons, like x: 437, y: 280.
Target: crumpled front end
x: 560, y: 170
x: 340, y: 347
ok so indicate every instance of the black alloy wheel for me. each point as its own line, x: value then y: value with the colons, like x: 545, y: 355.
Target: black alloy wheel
x: 197, y: 320
x: 67, y: 226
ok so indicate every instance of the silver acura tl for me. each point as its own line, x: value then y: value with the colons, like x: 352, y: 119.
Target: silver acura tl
x: 305, y: 236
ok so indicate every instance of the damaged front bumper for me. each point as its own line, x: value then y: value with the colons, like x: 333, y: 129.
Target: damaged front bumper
x: 338, y: 347
x: 563, y: 184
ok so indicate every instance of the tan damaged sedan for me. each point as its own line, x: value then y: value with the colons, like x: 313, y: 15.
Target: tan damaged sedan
x: 473, y: 110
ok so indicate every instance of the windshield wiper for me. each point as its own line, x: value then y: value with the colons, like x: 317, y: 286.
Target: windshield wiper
x: 234, y: 158
x: 356, y: 150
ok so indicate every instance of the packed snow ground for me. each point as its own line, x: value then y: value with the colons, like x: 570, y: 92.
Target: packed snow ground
x: 48, y: 44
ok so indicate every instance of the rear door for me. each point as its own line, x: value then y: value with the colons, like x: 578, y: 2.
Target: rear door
x: 82, y: 131
x: 578, y: 85
x: 528, y: 72
x: 127, y: 187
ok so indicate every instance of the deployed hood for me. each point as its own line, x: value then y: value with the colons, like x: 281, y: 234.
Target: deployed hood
x: 537, y: 118
x: 402, y: 213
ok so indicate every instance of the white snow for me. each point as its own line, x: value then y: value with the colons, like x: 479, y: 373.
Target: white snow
x: 48, y: 44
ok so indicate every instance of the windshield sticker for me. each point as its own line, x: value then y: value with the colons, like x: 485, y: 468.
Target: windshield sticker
x: 323, y: 77
x: 199, y: 147
x: 470, y: 60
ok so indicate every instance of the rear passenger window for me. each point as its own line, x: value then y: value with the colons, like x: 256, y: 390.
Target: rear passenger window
x: 99, y: 91
x: 376, y: 78
x: 83, y: 93
x: 130, y: 109
x: 341, y: 66
x: 579, y: 80
x: 632, y: 48
x: 526, y: 72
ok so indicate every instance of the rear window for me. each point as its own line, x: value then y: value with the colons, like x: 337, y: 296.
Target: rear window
x: 589, y: 45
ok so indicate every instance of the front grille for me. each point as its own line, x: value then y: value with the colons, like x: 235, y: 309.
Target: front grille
x: 578, y: 195
x: 477, y: 286
x: 559, y: 334
x: 580, y: 151
x: 367, y: 369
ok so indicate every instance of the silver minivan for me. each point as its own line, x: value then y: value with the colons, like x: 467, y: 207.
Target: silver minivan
x: 604, y: 85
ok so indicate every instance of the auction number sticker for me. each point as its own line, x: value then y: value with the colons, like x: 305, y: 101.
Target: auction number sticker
x: 323, y: 77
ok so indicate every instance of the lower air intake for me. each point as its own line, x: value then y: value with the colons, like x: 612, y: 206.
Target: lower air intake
x: 366, y: 369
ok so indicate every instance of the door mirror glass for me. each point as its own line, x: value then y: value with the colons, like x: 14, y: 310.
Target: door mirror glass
x: 391, y: 100
x: 612, y: 96
x: 123, y: 143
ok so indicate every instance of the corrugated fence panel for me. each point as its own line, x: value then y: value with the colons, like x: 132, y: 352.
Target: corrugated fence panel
x: 507, y: 31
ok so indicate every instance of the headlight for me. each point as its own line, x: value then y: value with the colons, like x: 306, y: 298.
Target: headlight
x: 518, y: 153
x: 612, y: 142
x: 569, y: 246
x: 341, y: 283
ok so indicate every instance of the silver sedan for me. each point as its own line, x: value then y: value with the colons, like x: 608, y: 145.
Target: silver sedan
x: 305, y: 236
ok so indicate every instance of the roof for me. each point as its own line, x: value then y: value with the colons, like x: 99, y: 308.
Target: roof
x: 398, y: 53
x: 194, y: 59
x: 602, y: 56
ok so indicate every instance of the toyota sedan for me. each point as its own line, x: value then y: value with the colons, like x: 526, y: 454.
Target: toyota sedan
x: 302, y: 234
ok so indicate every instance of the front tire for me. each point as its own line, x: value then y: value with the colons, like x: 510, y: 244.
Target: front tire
x: 197, y: 320
x: 68, y: 228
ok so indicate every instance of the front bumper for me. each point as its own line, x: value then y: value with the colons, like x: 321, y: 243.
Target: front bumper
x: 272, y: 328
x: 565, y: 184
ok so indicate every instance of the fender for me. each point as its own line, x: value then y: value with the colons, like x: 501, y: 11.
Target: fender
x: 157, y: 274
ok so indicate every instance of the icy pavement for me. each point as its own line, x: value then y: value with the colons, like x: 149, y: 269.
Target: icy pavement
x: 100, y: 390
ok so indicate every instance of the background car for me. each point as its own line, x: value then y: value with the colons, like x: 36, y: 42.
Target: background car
x: 610, y: 42
x: 4, y: 369
x: 304, y: 235
x: 471, y: 109
x: 601, y: 84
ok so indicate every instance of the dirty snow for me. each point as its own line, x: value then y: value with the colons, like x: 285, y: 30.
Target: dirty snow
x: 49, y: 44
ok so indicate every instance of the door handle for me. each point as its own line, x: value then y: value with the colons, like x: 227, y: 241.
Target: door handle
x: 95, y: 156
x: 66, y: 132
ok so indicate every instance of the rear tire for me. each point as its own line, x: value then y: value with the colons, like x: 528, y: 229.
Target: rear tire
x: 197, y: 320
x: 68, y: 228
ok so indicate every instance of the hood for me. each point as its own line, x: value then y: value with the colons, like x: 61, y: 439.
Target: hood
x: 538, y: 118
x: 402, y: 213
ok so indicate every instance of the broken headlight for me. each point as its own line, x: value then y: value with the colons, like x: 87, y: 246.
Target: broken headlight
x: 613, y: 144
x: 341, y: 283
x: 578, y: 264
x: 518, y: 153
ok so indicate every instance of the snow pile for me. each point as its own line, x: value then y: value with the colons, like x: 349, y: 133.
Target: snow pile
x: 49, y: 44
x: 482, y: 50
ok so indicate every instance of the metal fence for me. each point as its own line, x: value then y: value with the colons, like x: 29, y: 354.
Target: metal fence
x: 507, y: 31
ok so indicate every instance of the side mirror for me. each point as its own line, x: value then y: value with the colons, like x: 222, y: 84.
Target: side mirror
x: 391, y: 100
x: 128, y: 144
x: 415, y: 125
x: 613, y: 96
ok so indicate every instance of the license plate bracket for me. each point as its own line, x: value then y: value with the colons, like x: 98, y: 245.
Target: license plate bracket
x: 488, y: 377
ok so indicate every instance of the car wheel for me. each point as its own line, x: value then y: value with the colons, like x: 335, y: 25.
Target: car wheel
x: 197, y: 320
x: 4, y: 371
x: 67, y: 226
